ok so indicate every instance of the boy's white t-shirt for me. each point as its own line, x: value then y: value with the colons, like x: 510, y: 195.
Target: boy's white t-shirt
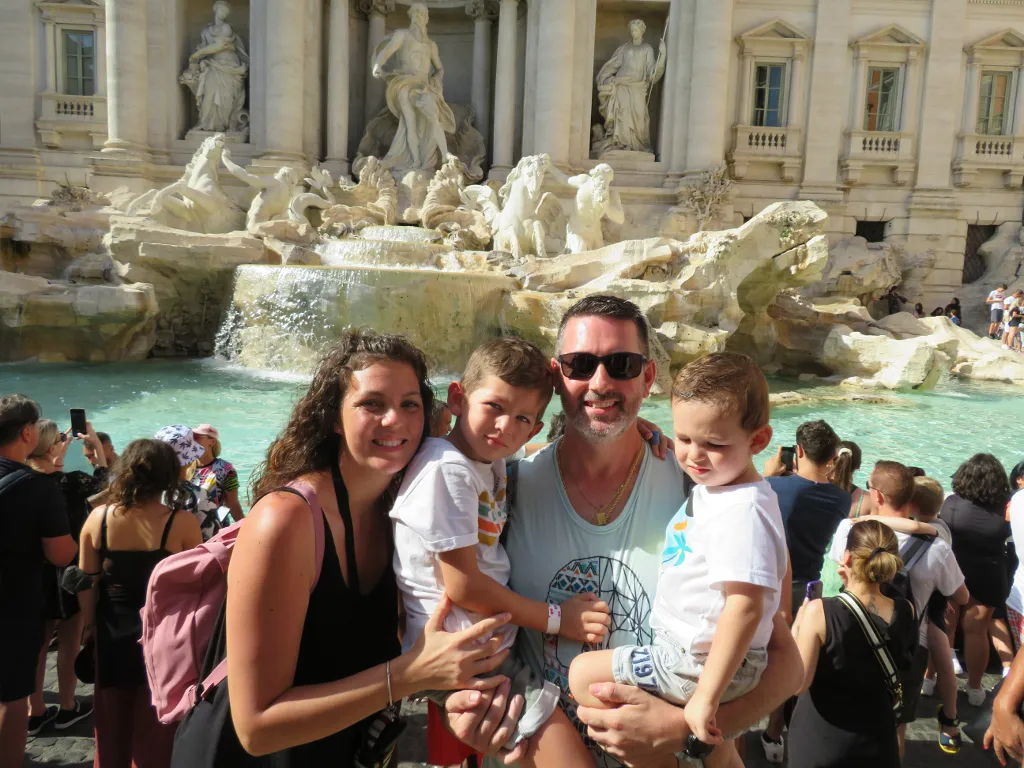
x: 937, y: 569
x: 447, y: 502
x: 996, y: 296
x: 1016, y: 597
x: 735, y: 534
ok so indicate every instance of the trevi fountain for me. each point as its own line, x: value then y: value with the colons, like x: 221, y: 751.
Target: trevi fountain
x: 259, y: 268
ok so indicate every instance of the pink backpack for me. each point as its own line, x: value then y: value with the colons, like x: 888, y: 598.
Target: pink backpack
x: 183, y: 600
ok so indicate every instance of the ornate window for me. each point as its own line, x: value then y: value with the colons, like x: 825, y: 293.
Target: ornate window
x: 79, y: 57
x: 769, y: 95
x: 882, y: 100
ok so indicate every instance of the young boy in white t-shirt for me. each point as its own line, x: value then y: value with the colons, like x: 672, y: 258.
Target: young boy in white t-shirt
x: 995, y: 303
x: 449, y: 516
x: 723, y: 563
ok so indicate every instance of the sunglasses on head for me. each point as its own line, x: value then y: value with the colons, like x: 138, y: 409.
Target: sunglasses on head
x: 581, y: 366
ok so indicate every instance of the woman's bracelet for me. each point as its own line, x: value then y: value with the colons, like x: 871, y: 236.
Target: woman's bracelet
x: 387, y: 676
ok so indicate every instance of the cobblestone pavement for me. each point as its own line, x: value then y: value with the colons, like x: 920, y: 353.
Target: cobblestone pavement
x: 73, y: 748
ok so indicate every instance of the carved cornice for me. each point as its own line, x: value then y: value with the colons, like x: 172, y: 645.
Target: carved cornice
x: 482, y: 9
x: 382, y: 7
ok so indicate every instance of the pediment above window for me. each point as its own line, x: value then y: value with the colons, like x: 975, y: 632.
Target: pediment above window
x: 892, y: 43
x: 70, y: 11
x: 775, y: 38
x: 1004, y: 48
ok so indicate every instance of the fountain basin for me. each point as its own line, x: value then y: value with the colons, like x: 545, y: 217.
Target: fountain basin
x: 284, y: 317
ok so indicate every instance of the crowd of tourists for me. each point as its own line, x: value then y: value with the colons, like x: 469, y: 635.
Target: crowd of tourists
x: 614, y: 595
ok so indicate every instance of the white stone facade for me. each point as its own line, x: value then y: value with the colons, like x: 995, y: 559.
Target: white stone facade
x: 909, y: 112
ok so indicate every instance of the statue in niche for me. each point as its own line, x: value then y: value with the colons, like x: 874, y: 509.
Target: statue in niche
x: 216, y: 76
x: 624, y: 87
x: 595, y: 201
x: 195, y: 202
x: 273, y: 195
x: 521, y: 215
x: 408, y: 61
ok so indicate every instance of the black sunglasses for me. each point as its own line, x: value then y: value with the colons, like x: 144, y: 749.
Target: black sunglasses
x: 581, y: 366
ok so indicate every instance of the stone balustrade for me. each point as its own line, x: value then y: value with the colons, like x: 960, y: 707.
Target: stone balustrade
x: 62, y: 114
x: 979, y: 152
x: 780, y: 147
x: 892, y: 150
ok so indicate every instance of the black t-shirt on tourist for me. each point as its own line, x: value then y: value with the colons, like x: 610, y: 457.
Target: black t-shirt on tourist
x: 30, y: 511
x: 811, y: 512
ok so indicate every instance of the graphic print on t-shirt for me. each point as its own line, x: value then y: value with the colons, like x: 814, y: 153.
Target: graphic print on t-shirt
x: 675, y: 544
x: 492, y: 514
x: 630, y: 609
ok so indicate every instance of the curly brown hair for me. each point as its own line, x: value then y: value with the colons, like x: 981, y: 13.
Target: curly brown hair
x: 309, y: 443
x: 145, y: 471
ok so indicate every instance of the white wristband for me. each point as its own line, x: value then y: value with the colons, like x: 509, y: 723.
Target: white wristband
x: 554, y: 618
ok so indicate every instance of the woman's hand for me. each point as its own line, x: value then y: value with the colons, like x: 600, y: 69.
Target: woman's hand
x: 451, y: 661
x: 1005, y: 734
x: 100, y: 459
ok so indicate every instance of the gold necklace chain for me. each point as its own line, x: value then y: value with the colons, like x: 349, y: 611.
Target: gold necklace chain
x: 603, y: 513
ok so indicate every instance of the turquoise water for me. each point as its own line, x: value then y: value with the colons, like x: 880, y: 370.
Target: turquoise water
x: 934, y: 430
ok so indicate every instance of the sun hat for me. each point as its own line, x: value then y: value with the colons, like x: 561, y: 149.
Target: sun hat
x: 180, y: 438
x: 206, y: 429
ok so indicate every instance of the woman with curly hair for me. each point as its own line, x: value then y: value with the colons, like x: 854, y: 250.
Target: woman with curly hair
x: 121, y: 543
x: 315, y: 663
x: 975, y: 514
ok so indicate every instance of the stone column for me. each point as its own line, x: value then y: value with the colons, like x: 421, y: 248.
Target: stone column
x: 746, y: 115
x: 912, y: 94
x: 502, y: 146
x: 553, y: 96
x: 286, y: 53
x: 860, y: 85
x: 483, y: 13
x: 680, y: 54
x: 828, y: 105
x: 375, y: 11
x: 337, y: 87
x: 712, y: 52
x: 1017, y: 129
x: 50, y: 33
x: 795, y: 110
x: 127, y: 76
x: 938, y: 122
x: 972, y: 94
x: 101, y: 59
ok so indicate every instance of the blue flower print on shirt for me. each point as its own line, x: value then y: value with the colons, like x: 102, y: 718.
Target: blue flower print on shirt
x: 675, y: 545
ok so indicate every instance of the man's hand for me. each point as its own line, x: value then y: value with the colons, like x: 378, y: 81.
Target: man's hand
x: 638, y: 728
x: 585, y: 619
x: 485, y: 720
x: 1005, y: 734
x: 774, y: 466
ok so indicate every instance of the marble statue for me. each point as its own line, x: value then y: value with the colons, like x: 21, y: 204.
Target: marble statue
x: 595, y: 201
x: 216, y: 76
x: 372, y: 201
x: 195, y: 202
x: 521, y: 214
x: 443, y: 210
x: 408, y: 61
x: 624, y: 86
x: 274, y: 192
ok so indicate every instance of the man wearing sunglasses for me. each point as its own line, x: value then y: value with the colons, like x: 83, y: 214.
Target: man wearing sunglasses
x: 589, y: 513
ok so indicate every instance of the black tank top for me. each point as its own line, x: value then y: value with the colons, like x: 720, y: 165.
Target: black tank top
x: 122, y: 594
x: 345, y: 632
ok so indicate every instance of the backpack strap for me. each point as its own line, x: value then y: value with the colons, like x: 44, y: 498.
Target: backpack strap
x: 878, y: 647
x: 8, y: 481
x: 103, y: 529
x: 167, y: 528
x: 308, y: 493
x: 915, y: 551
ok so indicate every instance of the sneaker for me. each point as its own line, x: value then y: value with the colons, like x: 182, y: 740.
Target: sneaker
x: 928, y: 687
x: 68, y: 717
x: 37, y: 723
x: 957, y: 669
x: 975, y: 696
x: 1004, y: 347
x: 774, y: 751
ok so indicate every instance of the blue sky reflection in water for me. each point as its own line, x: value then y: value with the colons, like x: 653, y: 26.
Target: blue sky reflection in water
x: 934, y: 430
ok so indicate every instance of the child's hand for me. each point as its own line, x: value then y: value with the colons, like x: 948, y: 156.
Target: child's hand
x: 700, y: 716
x: 585, y: 618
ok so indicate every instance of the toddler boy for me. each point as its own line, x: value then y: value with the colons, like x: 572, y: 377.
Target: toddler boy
x: 449, y: 516
x: 723, y: 563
